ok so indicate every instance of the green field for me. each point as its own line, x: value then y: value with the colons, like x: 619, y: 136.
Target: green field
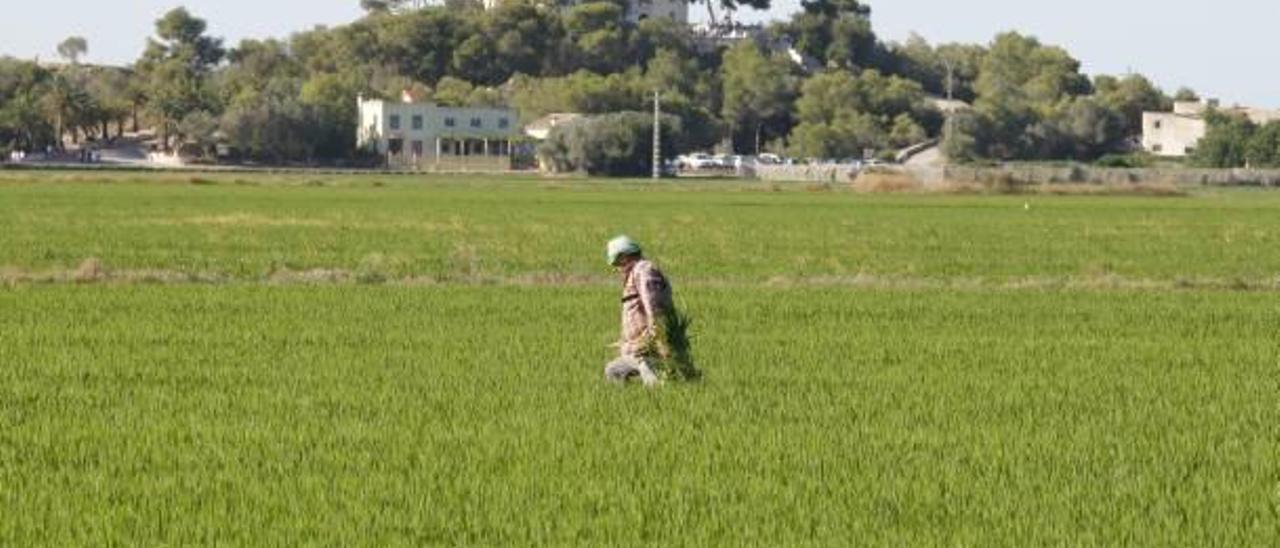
x: 253, y: 360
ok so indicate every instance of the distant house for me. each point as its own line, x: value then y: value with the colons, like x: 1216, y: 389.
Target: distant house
x: 1176, y: 134
x: 419, y: 135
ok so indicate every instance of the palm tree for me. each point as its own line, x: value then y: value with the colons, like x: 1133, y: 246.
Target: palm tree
x: 68, y: 105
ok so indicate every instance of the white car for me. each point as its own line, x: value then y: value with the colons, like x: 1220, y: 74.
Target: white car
x: 697, y: 161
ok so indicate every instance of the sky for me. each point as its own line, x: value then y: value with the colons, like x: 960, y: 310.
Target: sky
x: 1220, y: 49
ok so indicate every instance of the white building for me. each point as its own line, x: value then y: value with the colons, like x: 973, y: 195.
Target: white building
x: 1173, y: 134
x: 414, y: 135
x: 636, y: 10
x: 1176, y: 134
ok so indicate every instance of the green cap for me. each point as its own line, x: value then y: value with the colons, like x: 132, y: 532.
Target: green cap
x: 622, y: 245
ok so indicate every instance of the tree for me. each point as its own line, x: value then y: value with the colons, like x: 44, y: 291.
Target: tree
x: 758, y: 94
x: 965, y: 139
x: 422, y: 44
x: 526, y: 39
x: 582, y: 92
x: 905, y: 132
x: 277, y: 126
x: 853, y: 43
x: 328, y: 96
x: 597, y: 35
x: 378, y: 6
x: 611, y: 144
x: 841, y: 115
x: 23, y: 124
x: 1226, y: 142
x: 685, y: 94
x: 1234, y: 141
x: 453, y: 92
x: 655, y: 34
x: 916, y: 60
x: 201, y: 129
x: 1186, y: 94
x: 181, y: 36
x: 835, y: 32
x: 67, y: 104
x: 176, y: 66
x: 253, y: 64
x: 1264, y: 147
x: 1130, y: 96
x: 1021, y: 84
x: 1019, y: 70
x: 110, y: 90
x: 1082, y: 129
x: 73, y: 48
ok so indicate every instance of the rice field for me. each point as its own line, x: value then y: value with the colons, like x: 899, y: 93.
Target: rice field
x: 253, y: 360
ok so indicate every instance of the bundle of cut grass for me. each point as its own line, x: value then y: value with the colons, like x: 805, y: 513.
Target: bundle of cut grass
x: 674, y: 349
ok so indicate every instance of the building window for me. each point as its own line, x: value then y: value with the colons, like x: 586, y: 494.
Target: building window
x: 504, y: 123
x: 417, y: 148
x: 394, y: 121
x: 1157, y: 148
x: 475, y: 122
x: 1157, y: 124
x: 449, y: 122
x: 417, y: 121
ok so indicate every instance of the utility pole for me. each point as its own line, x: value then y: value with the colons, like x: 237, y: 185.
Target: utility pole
x: 950, y: 98
x: 657, y: 136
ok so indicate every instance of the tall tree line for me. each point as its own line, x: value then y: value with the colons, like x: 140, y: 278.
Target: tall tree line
x: 820, y: 84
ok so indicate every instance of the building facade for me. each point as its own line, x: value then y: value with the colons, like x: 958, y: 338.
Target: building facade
x: 1170, y: 134
x: 1176, y: 134
x: 425, y: 136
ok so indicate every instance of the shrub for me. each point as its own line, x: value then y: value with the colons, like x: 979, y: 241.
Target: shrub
x: 1130, y: 161
x: 619, y: 144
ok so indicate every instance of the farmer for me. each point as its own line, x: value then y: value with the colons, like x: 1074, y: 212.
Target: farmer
x: 646, y: 301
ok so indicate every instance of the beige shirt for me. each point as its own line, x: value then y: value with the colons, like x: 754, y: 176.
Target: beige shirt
x: 646, y: 299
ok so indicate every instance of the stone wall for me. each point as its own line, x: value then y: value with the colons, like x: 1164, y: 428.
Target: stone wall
x: 1042, y: 174
x: 1024, y: 174
x: 822, y: 173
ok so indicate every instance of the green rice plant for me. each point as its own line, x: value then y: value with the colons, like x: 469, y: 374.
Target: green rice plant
x: 276, y: 364
x: 674, y: 348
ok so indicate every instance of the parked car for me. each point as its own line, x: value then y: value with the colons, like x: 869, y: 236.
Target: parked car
x: 769, y: 158
x: 697, y: 160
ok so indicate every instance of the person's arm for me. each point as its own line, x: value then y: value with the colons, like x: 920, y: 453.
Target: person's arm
x: 650, y: 283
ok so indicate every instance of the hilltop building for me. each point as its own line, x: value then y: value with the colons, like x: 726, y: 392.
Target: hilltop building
x: 1176, y: 134
x: 636, y: 10
x: 420, y: 135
